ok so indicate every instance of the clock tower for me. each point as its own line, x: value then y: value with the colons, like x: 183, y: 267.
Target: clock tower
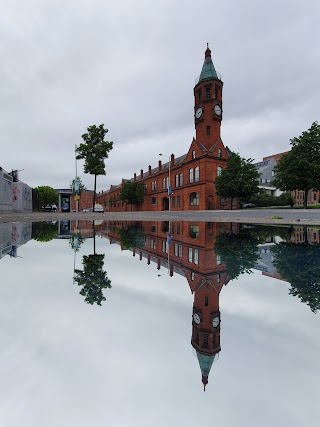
x: 208, y: 103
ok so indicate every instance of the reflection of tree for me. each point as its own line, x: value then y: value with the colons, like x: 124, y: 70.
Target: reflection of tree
x: 298, y: 263
x: 44, y: 231
x: 238, y: 252
x: 76, y: 241
x: 132, y: 236
x: 93, y: 279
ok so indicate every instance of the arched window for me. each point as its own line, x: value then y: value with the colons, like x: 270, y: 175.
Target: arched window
x: 153, y: 200
x: 194, y: 199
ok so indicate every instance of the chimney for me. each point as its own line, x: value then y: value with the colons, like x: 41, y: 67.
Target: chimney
x: 135, y: 177
x: 149, y: 170
x: 160, y: 165
x: 141, y: 173
x: 172, y: 159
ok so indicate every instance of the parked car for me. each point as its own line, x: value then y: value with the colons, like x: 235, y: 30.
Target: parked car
x: 248, y: 205
x: 97, y: 208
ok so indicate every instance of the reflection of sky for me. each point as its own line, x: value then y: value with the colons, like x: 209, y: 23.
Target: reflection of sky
x: 130, y: 362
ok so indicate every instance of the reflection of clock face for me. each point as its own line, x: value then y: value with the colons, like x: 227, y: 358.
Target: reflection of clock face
x: 196, y: 318
x: 217, y: 110
x: 198, y: 112
x: 215, y: 321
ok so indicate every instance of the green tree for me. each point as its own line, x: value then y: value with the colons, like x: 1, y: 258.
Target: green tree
x: 132, y: 192
x: 299, y: 169
x: 132, y: 236
x: 82, y: 187
x: 239, y: 252
x: 47, y: 195
x: 239, y: 179
x: 93, y: 279
x: 298, y: 263
x: 44, y: 231
x: 94, y: 151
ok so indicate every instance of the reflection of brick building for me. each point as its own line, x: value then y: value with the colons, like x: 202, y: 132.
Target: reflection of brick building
x: 188, y: 252
x: 192, y: 175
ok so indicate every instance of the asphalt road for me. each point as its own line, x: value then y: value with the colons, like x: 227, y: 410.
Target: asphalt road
x: 271, y: 216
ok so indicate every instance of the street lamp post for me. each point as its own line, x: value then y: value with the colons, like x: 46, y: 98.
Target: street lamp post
x: 169, y: 184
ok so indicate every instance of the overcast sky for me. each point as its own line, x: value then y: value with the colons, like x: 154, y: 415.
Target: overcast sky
x: 132, y: 65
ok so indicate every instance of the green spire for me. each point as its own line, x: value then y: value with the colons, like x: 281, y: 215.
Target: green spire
x: 208, y: 71
x: 205, y: 362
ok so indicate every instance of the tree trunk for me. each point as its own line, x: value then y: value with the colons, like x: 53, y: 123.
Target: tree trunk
x: 94, y: 238
x: 94, y: 192
x: 305, y: 201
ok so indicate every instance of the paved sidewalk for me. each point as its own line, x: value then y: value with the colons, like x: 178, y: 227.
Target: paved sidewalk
x: 265, y: 216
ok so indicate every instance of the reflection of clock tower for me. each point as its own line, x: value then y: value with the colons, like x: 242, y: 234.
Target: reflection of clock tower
x: 206, y: 323
x: 208, y: 104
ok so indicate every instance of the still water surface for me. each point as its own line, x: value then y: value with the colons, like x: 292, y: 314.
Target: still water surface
x: 126, y: 324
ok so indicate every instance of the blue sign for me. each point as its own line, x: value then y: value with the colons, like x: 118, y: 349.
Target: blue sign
x: 169, y: 190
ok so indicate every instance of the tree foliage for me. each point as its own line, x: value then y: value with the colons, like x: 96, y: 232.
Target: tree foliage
x: 239, y: 179
x: 94, y: 151
x: 299, y: 169
x: 298, y: 263
x: 132, y: 192
x: 44, y: 231
x: 132, y: 236
x: 264, y: 199
x: 93, y: 279
x: 47, y: 195
x: 238, y: 252
x: 82, y: 187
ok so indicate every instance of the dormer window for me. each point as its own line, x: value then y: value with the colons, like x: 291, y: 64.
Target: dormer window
x: 193, y: 154
x: 219, y: 152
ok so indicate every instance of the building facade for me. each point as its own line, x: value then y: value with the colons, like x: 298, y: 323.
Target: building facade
x: 267, y: 172
x: 15, y: 195
x: 186, y: 182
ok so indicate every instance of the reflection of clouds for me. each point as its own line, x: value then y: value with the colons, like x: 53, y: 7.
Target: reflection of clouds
x: 63, y: 362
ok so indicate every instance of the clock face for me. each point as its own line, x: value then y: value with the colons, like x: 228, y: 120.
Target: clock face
x: 215, y: 321
x: 217, y: 109
x: 196, y: 318
x: 198, y: 112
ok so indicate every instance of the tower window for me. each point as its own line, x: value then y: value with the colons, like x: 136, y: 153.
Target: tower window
x: 207, y: 93
x: 200, y: 95
x: 208, y: 130
x: 206, y: 301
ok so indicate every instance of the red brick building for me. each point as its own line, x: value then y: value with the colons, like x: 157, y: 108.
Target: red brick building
x: 186, y: 249
x: 190, y: 176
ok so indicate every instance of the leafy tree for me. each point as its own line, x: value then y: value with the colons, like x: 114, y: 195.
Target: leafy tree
x: 44, y: 231
x: 94, y: 151
x: 76, y: 241
x: 82, y: 187
x: 132, y: 236
x: 298, y: 263
x: 132, y: 192
x: 239, y: 179
x: 239, y: 252
x: 299, y: 169
x: 93, y: 279
x: 47, y: 195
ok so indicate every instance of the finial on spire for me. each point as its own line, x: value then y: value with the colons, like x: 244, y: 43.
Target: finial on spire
x: 207, y: 52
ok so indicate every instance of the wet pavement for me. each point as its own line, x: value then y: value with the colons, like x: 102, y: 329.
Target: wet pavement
x: 270, y: 216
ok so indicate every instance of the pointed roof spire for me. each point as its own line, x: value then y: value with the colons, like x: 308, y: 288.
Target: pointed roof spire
x: 205, y: 362
x: 208, y: 71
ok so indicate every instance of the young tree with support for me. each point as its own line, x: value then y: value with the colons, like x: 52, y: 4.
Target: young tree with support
x: 94, y: 151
